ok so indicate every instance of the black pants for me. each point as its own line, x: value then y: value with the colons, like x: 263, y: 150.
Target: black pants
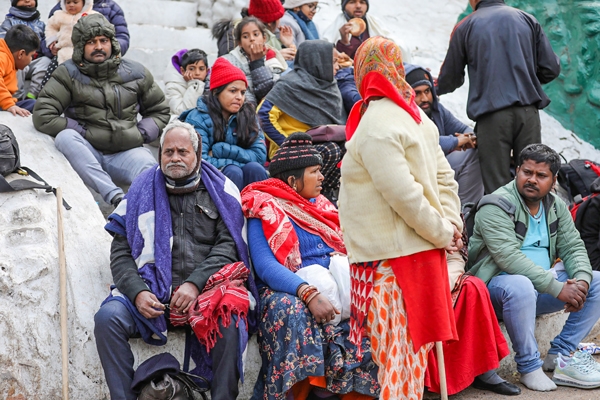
x: 498, y: 134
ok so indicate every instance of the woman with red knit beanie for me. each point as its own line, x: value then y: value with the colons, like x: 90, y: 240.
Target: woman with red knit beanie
x: 231, y: 138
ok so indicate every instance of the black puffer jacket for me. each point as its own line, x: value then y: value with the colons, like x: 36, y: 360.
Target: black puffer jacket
x: 202, y: 245
x: 102, y: 101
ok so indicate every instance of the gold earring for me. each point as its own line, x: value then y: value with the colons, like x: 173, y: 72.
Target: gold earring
x: 295, y: 188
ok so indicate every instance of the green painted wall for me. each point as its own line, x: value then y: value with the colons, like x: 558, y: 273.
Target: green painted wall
x: 573, y: 27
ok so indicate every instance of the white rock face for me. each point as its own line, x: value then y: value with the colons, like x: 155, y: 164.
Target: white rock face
x: 30, y: 352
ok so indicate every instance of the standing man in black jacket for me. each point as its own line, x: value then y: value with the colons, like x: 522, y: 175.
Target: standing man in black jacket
x: 508, y: 57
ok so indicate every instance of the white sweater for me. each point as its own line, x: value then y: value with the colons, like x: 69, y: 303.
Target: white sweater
x: 398, y: 195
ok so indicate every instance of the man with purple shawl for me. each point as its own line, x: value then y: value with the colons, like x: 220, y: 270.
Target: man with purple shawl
x: 179, y: 256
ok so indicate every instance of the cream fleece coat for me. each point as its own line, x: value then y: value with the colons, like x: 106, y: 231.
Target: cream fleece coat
x: 60, y: 27
x: 398, y: 195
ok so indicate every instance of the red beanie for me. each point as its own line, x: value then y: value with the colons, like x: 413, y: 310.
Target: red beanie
x: 266, y: 10
x: 223, y: 73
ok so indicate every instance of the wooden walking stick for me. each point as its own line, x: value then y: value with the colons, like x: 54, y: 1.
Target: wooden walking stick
x: 439, y: 350
x: 63, y: 297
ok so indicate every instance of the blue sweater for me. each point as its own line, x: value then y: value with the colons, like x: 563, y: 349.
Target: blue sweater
x: 227, y: 152
x: 270, y: 271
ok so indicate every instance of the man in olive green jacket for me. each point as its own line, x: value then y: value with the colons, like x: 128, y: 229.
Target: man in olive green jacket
x: 101, y: 95
x: 534, y: 262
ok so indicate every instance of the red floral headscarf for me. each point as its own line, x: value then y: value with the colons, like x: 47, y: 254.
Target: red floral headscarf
x: 379, y: 72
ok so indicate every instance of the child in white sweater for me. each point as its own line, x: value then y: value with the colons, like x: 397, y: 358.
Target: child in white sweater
x: 186, y: 79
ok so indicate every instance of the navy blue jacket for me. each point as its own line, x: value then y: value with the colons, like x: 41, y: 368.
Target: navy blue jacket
x: 508, y: 57
x: 222, y: 154
x: 445, y: 121
x: 113, y: 13
x: 347, y: 86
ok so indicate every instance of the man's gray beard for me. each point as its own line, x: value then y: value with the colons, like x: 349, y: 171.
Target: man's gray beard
x: 177, y: 174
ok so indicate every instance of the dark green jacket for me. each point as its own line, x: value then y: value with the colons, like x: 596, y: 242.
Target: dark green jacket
x: 496, y: 243
x: 102, y: 101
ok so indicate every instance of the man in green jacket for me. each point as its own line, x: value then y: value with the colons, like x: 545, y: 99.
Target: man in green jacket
x: 101, y: 95
x: 534, y: 262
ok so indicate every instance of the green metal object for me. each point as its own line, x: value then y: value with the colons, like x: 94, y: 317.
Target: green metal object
x: 573, y: 27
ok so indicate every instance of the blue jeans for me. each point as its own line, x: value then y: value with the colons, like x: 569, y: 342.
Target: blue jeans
x: 516, y: 301
x: 249, y: 173
x: 27, y: 104
x: 114, y: 325
x: 98, y: 170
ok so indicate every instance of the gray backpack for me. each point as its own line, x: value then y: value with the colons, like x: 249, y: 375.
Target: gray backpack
x: 10, y: 162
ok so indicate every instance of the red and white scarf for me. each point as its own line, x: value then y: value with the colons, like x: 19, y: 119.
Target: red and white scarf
x: 275, y: 203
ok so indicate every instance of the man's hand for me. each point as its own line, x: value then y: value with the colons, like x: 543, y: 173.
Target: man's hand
x: 465, y: 141
x: 257, y: 51
x: 345, y: 33
x: 16, y: 110
x: 286, y: 36
x: 53, y: 49
x: 322, y: 309
x: 573, y: 295
x: 183, y: 297
x: 288, y: 53
x: 148, y: 305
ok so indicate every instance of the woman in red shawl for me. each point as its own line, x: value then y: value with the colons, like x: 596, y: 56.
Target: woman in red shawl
x: 291, y: 226
x: 400, y: 211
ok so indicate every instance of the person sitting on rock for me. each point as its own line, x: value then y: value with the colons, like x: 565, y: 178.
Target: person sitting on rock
x: 456, y: 138
x: 100, y: 94
x: 291, y: 226
x: 16, y: 51
x: 340, y: 30
x: 261, y: 63
x: 269, y: 12
x: 185, y: 79
x: 112, y: 12
x: 534, y: 262
x: 231, y: 139
x: 25, y: 12
x: 178, y: 239
x: 305, y: 98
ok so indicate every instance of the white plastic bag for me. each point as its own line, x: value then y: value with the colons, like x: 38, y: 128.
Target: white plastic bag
x: 339, y: 267
x: 322, y: 279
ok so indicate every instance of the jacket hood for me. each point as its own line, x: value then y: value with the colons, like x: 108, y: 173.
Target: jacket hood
x: 87, y: 6
x: 408, y: 68
x: 89, y: 27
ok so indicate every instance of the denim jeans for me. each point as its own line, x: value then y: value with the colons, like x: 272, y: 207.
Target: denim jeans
x: 249, y: 173
x: 516, y: 301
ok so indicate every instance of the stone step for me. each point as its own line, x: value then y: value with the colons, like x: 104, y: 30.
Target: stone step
x: 159, y: 12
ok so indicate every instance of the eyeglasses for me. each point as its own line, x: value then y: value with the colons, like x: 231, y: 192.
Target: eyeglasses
x: 313, y: 7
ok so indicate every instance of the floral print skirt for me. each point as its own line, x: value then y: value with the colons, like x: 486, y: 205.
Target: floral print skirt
x: 293, y: 347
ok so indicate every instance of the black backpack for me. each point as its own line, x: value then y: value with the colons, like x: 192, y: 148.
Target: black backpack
x: 577, y: 176
x: 10, y: 162
x: 470, y: 209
